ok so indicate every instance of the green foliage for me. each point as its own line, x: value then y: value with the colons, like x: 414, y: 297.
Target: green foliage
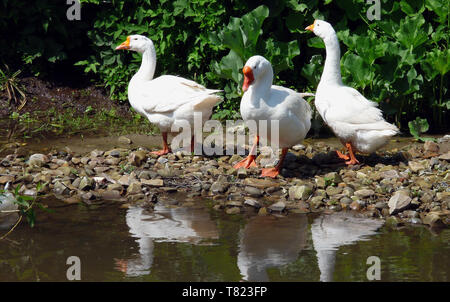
x: 26, y: 204
x: 419, y: 126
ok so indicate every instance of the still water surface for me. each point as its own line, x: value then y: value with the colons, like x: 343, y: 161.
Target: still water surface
x: 199, y: 244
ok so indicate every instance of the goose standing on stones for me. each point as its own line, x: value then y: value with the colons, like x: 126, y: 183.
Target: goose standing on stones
x: 167, y: 100
x: 355, y: 120
x: 264, y: 101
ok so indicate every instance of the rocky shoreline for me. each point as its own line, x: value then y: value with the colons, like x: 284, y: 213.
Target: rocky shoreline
x: 404, y: 186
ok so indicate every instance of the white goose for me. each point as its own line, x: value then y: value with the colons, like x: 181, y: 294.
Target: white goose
x: 167, y: 100
x: 355, y: 120
x: 264, y: 101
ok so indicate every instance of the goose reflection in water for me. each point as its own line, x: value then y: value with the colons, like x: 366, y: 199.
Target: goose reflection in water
x: 267, y: 242
x: 190, y: 225
x: 329, y: 232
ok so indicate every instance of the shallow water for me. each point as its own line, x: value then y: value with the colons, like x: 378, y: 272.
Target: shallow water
x: 199, y: 244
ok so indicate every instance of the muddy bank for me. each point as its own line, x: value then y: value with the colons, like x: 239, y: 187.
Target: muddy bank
x: 57, y: 110
x: 406, y: 183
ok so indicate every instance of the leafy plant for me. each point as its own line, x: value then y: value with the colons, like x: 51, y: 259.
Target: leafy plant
x: 417, y: 127
x: 26, y: 207
x: 16, y: 91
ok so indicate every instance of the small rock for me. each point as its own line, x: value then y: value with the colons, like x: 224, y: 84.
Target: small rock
x: 390, y: 174
x: 37, y: 160
x: 162, y: 160
x: 124, y: 180
x: 124, y: 140
x: 60, y: 189
x: 278, y: 207
x: 331, y: 191
x: 300, y: 192
x: 260, y: 183
x: 355, y: 206
x: 219, y: 187
x: 445, y: 156
x: 86, y: 184
x: 433, y: 219
x: 333, y: 178
x: 364, y: 193
x: 430, y: 146
x: 398, y: 202
x: 6, y: 178
x: 262, y: 211
x: 443, y: 196
x: 252, y: 191
x: 253, y: 203
x: 298, y: 147
x: 115, y: 187
x: 153, y: 182
x: 242, y: 173
x: 134, y: 188
x: 392, y: 222
x: 415, y: 166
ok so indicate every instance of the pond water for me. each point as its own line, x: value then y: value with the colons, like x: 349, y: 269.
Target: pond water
x: 196, y: 243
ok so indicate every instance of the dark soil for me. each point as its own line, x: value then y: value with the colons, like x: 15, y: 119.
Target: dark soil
x: 43, y: 95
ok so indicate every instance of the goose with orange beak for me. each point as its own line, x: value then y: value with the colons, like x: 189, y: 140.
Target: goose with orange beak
x: 355, y: 120
x: 167, y: 101
x: 263, y: 101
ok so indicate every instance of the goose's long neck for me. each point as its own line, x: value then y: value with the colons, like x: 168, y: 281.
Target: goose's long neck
x: 260, y: 88
x: 332, y: 69
x: 148, y: 65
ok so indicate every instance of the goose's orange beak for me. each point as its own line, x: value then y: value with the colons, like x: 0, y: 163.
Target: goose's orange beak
x: 311, y: 27
x: 124, y: 45
x: 248, y: 77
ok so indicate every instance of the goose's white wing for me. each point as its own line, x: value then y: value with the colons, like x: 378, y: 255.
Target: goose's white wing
x: 168, y: 93
x: 347, y: 105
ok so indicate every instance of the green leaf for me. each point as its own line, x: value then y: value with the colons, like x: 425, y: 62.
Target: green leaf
x: 418, y: 126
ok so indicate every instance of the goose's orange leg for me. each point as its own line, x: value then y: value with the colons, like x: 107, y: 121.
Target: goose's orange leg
x: 342, y: 155
x: 273, y: 172
x: 165, y: 149
x: 249, y: 161
x: 353, y: 159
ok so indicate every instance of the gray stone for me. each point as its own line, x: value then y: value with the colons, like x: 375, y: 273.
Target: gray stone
x: 398, y: 202
x: 124, y: 140
x: 278, y: 207
x: 415, y: 166
x: 86, y: 183
x: 364, y: 193
x: 300, y: 192
x: 253, y: 203
x: 37, y: 160
x: 60, y: 189
x: 153, y: 182
x: 134, y: 188
x: 252, y: 191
